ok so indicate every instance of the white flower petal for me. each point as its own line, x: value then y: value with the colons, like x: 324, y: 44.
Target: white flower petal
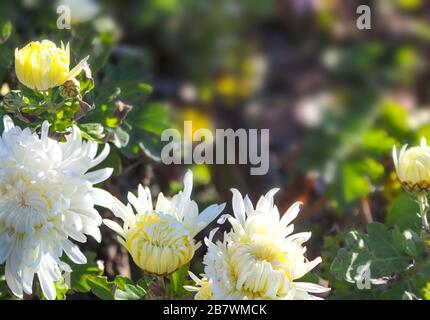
x: 114, y: 226
x: 102, y: 198
x: 103, y: 155
x: 74, y: 253
x: 238, y: 206
x: 99, y: 175
x: 47, y: 285
x: 311, y: 287
x: 209, y: 214
x: 290, y: 214
x: 7, y: 123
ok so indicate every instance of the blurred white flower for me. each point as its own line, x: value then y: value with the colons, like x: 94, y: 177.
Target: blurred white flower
x: 160, y: 239
x: 418, y: 118
x: 331, y: 58
x: 260, y: 258
x: 310, y: 111
x: 47, y: 199
x: 81, y: 10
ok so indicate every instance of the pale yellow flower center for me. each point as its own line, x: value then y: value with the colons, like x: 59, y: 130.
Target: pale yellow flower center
x: 27, y: 204
x: 260, y: 269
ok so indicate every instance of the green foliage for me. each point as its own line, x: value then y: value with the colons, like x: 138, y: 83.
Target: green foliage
x: 79, y: 278
x: 354, y: 184
x: 392, y: 257
x: 121, y: 288
x: 177, y: 281
x: 340, y: 289
x: 135, y: 124
x: 394, y: 119
x: 61, y: 289
x: 126, y: 290
x: 101, y: 287
x: 378, y: 142
x: 89, y: 278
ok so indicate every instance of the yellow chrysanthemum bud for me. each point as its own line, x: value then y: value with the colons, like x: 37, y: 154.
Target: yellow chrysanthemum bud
x: 159, y: 243
x: 42, y: 65
x: 413, y: 167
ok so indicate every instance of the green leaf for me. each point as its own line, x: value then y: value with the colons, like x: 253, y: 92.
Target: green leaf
x: 403, y: 213
x: 152, y: 118
x: 177, y: 280
x: 130, y: 292
x: 82, y: 272
x: 121, y: 281
x: 374, y: 169
x: 378, y: 141
x: 6, y: 31
x: 354, y: 183
x: 92, y: 131
x: 86, y: 81
x: 101, y: 287
x: 144, y: 282
x: 146, y: 125
x: 414, y: 245
x: 127, y: 290
x: 61, y: 288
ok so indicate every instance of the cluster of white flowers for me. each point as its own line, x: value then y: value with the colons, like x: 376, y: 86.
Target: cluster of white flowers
x: 47, y: 199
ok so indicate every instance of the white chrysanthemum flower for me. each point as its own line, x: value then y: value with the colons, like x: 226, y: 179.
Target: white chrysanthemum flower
x: 413, y: 167
x: 161, y: 239
x: 47, y: 199
x: 260, y: 258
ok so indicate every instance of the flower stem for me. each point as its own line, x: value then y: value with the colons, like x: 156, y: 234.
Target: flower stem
x: 424, y: 207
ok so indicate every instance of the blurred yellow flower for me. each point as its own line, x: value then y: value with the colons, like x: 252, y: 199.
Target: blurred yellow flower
x: 199, y: 120
x: 161, y: 239
x: 5, y: 89
x: 43, y: 65
x: 246, y: 82
x: 413, y: 167
x: 227, y: 85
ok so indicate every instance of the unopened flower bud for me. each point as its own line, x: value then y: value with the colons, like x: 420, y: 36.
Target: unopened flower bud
x: 70, y: 89
x: 413, y: 167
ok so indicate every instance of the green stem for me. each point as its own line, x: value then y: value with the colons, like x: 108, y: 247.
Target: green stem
x: 162, y: 283
x: 424, y: 207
